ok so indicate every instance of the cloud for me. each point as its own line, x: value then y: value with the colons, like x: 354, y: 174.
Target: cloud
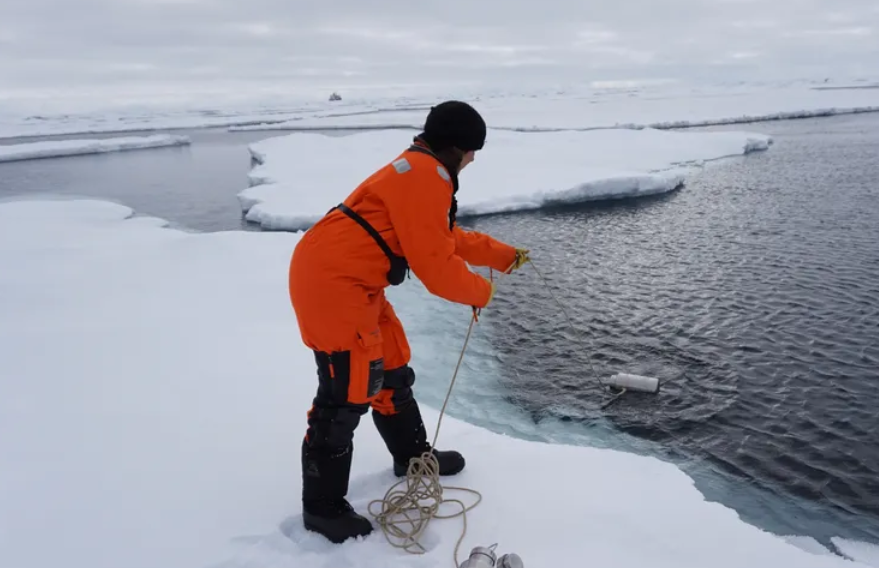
x: 126, y: 43
x: 831, y: 32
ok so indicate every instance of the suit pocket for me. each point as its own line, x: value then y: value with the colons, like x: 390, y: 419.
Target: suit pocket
x: 370, y: 364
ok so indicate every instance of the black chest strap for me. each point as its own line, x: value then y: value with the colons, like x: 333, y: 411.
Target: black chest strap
x: 399, y: 266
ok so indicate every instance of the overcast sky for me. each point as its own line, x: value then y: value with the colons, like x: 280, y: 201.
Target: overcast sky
x: 75, y: 43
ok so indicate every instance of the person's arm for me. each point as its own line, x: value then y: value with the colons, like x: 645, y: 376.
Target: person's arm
x: 419, y: 212
x: 480, y: 249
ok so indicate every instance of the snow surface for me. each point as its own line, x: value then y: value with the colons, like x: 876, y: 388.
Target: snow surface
x: 61, y: 148
x: 154, y: 395
x: 303, y: 174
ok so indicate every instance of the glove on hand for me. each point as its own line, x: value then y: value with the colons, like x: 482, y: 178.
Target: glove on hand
x: 521, y: 258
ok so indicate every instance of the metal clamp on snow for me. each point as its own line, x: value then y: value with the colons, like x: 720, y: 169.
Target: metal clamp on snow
x: 482, y: 557
x: 399, y: 265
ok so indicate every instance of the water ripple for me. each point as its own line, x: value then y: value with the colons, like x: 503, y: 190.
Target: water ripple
x: 753, y: 291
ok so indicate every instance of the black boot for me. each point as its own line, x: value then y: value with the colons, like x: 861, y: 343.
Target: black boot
x: 324, y: 486
x: 450, y: 463
x: 406, y: 438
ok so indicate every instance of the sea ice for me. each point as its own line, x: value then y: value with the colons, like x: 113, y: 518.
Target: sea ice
x: 658, y: 108
x: 302, y: 175
x: 519, y: 106
x: 153, y: 396
x: 61, y: 148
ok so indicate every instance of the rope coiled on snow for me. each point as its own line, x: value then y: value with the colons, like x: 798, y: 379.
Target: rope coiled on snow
x: 406, y: 513
x: 423, y: 495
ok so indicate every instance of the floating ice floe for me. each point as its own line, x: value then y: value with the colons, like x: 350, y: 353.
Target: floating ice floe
x: 301, y: 175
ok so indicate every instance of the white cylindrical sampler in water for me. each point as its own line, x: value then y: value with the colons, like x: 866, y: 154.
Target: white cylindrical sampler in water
x: 631, y: 382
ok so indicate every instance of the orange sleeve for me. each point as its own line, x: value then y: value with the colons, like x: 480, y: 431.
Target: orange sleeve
x: 419, y: 212
x: 480, y: 249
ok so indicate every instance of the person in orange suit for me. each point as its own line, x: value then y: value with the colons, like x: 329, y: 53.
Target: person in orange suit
x: 400, y: 218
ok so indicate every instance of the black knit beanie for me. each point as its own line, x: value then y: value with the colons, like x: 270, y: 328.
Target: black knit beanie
x: 454, y: 123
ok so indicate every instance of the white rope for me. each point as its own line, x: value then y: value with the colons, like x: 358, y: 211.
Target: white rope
x: 416, y: 505
x: 406, y: 513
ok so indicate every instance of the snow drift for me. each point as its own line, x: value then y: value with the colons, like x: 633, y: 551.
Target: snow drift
x: 302, y: 175
x: 154, y: 394
x: 61, y: 148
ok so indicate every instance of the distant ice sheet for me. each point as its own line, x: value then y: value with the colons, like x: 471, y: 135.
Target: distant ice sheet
x: 517, y: 107
x: 583, y: 111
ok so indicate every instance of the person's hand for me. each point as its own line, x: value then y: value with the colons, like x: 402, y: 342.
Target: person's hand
x: 521, y: 258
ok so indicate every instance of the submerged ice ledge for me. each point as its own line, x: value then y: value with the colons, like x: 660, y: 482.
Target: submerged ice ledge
x: 63, y: 148
x: 298, y: 176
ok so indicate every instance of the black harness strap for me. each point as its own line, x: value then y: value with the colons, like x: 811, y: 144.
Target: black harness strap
x: 399, y: 266
x: 362, y: 222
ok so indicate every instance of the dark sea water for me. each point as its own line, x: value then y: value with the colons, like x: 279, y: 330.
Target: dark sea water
x: 753, y: 292
x: 191, y: 186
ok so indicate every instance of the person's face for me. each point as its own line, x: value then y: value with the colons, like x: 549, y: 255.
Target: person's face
x: 468, y: 157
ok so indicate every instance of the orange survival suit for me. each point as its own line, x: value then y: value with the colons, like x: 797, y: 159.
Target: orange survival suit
x: 338, y: 272
x: 337, y: 276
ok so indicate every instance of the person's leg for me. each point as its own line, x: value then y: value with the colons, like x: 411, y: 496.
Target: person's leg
x: 395, y: 411
x: 339, y: 324
x: 348, y: 381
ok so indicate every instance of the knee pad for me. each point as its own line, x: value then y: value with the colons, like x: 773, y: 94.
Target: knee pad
x: 396, y: 396
x: 333, y: 417
x: 399, y: 378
